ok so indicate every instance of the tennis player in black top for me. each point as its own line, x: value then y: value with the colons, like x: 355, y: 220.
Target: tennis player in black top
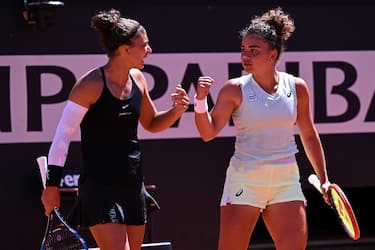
x: 107, y: 103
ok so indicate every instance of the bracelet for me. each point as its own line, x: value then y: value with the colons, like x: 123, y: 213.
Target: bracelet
x: 200, y: 106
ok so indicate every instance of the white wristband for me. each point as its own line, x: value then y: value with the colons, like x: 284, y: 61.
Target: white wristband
x: 200, y: 106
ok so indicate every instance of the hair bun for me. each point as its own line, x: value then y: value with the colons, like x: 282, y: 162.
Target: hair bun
x: 106, y: 21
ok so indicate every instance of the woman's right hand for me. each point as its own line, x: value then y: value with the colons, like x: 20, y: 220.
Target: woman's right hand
x: 50, y: 199
x: 204, y: 84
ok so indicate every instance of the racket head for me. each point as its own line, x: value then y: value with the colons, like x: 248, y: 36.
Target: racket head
x: 59, y: 235
x: 344, y: 211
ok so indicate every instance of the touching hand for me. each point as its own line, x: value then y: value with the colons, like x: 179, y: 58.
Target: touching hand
x: 180, y: 98
x: 203, y: 86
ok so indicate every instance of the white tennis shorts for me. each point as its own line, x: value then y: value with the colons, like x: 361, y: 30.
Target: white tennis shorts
x: 262, y: 185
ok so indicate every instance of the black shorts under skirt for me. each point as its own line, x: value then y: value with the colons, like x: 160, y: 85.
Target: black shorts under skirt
x: 99, y: 207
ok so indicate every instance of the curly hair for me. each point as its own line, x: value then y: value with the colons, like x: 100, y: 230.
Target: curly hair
x: 274, y: 26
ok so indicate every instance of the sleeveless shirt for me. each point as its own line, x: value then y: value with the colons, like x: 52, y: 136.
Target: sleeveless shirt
x: 265, y: 123
x: 110, y: 150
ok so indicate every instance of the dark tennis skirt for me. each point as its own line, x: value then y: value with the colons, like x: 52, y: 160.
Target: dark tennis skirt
x: 104, y: 206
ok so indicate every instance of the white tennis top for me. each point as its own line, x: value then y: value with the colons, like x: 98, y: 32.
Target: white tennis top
x: 265, y: 123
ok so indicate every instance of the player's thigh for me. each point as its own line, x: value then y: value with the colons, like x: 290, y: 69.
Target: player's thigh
x: 135, y: 235
x: 110, y: 236
x: 286, y: 223
x: 237, y: 222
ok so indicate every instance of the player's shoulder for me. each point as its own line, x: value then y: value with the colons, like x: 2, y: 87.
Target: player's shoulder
x: 136, y: 73
x: 231, y: 87
x: 301, y: 84
x: 138, y: 76
x: 300, y: 81
x: 91, y: 76
x: 90, y: 84
x: 293, y: 80
x: 233, y: 82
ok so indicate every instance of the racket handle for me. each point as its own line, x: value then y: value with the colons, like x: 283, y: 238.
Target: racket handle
x: 314, y: 180
x: 43, y: 167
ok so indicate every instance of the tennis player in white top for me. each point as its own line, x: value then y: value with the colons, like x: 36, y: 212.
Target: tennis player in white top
x: 263, y: 176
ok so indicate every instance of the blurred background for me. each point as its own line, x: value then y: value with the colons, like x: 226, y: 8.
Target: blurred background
x: 46, y: 46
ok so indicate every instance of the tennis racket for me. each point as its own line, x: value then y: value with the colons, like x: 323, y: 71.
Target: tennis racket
x: 59, y: 235
x: 340, y: 204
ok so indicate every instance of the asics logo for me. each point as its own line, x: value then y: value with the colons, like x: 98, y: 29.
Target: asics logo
x: 239, y: 192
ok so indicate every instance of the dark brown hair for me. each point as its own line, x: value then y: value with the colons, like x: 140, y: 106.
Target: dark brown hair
x: 114, y: 29
x: 274, y: 26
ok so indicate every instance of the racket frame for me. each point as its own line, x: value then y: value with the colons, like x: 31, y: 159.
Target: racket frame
x: 57, y: 213
x: 345, y: 216
x: 42, y: 164
x: 355, y: 235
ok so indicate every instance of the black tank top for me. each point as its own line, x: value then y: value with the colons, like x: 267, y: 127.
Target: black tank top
x: 110, y: 150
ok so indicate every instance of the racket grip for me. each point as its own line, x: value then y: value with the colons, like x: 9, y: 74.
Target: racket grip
x: 314, y: 180
x: 43, y: 167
